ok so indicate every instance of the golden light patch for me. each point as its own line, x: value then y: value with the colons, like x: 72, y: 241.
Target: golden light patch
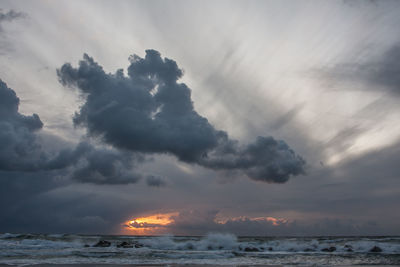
x: 149, y: 225
x: 272, y: 220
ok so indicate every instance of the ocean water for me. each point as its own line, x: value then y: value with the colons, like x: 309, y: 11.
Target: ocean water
x: 213, y: 249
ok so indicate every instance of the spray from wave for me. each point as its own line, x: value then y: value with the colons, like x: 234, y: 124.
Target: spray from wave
x: 214, y: 249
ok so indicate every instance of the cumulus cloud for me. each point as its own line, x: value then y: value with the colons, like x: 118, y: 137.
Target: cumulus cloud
x: 19, y: 148
x: 266, y: 159
x: 98, y: 165
x: 22, y: 151
x: 149, y: 111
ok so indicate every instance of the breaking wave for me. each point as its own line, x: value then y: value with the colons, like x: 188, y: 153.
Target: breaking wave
x: 215, y: 248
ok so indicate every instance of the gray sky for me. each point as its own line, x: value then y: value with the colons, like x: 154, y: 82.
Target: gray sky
x: 323, y: 76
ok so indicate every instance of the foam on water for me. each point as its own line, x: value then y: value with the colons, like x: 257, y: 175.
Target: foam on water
x: 216, y: 248
x: 210, y: 242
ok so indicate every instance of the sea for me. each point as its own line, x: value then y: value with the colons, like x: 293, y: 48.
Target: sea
x: 212, y: 249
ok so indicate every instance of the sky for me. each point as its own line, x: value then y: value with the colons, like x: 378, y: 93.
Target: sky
x: 190, y: 117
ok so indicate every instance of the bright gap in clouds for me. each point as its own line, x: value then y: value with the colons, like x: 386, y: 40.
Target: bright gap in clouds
x: 148, y: 225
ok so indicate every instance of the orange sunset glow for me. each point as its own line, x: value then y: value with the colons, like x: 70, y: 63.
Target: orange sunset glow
x: 272, y: 220
x: 148, y: 225
x: 158, y: 223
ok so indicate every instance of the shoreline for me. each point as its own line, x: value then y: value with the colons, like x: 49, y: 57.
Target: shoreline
x: 172, y: 265
x: 142, y: 265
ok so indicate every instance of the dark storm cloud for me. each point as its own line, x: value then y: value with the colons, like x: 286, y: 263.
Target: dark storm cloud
x: 98, y: 165
x: 21, y: 151
x: 149, y: 111
x: 126, y: 114
x: 266, y: 159
x: 40, y: 202
x: 155, y: 181
x: 107, y: 167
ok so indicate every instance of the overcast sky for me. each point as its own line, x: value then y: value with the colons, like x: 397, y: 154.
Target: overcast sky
x: 224, y: 114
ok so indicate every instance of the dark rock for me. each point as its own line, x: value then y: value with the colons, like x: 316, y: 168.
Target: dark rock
x: 103, y: 244
x: 270, y: 249
x: 86, y: 246
x: 376, y: 249
x: 122, y: 244
x: 136, y: 244
x: 309, y: 250
x: 349, y: 248
x: 125, y: 245
x: 247, y: 249
x: 330, y: 249
x: 236, y: 253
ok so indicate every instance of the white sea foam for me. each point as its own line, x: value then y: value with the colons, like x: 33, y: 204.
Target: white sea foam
x: 8, y: 235
x: 214, y: 241
x: 211, y: 249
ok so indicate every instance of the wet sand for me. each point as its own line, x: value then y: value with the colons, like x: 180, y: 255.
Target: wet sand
x: 169, y: 265
x: 139, y: 265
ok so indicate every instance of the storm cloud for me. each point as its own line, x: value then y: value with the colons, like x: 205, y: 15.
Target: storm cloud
x: 155, y: 181
x: 22, y: 151
x: 315, y: 75
x: 19, y: 149
x: 98, y: 165
x: 149, y: 111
